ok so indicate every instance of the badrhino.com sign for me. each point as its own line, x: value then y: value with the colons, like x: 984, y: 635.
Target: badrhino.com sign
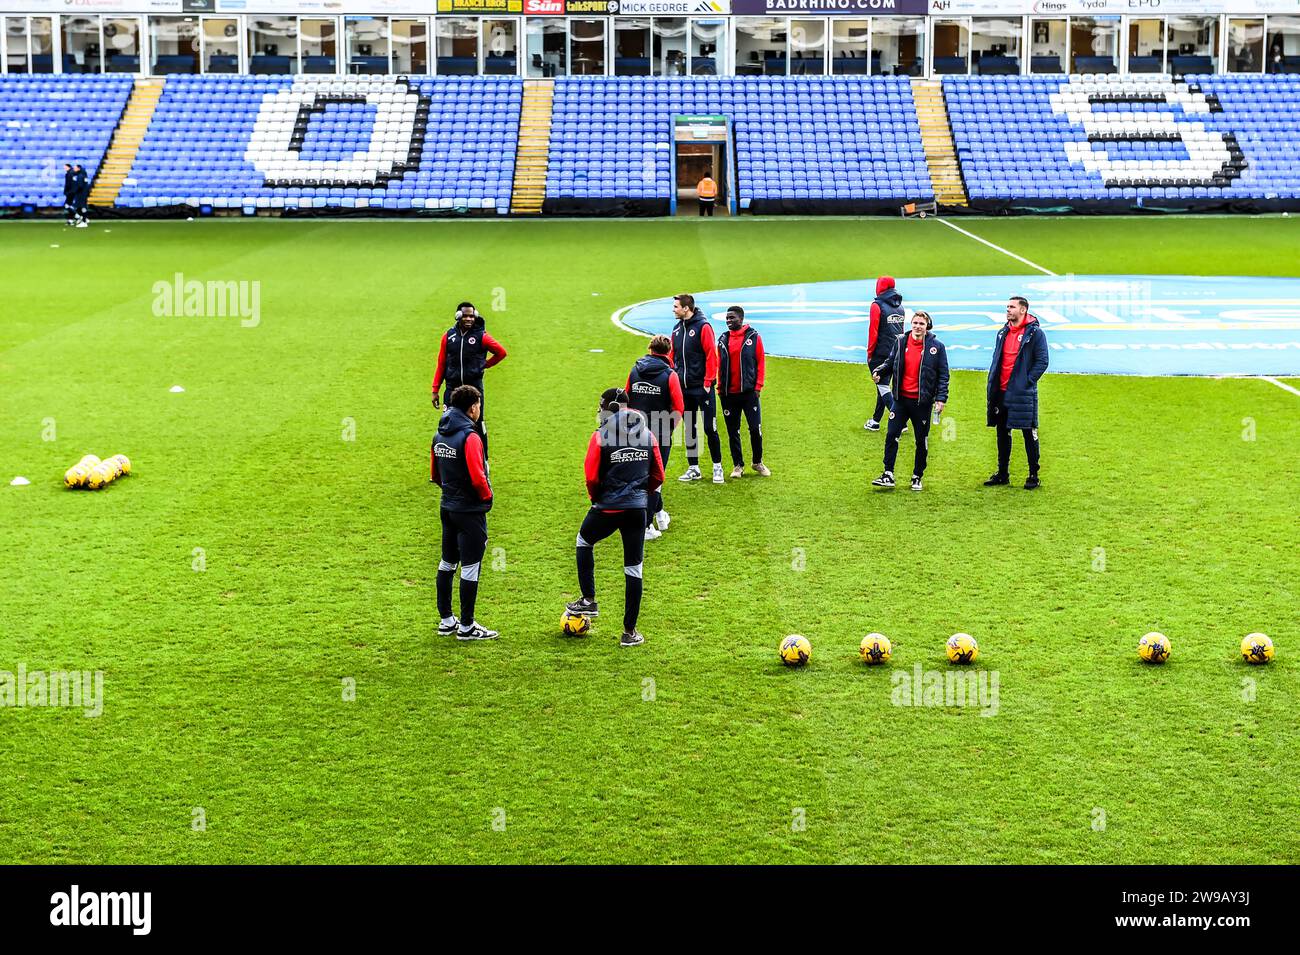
x: 830, y: 7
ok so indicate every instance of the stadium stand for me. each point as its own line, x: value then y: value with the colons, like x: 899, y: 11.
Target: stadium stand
x: 1113, y: 142
x: 843, y: 144
x: 307, y: 142
x: 48, y: 120
x: 834, y: 144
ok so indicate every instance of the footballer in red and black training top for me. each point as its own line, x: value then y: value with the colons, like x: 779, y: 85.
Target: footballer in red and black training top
x: 622, y: 468
x: 695, y: 358
x: 458, y: 465
x: 918, y: 365
x: 886, y: 325
x: 656, y: 392
x: 466, y: 351
x: 741, y: 367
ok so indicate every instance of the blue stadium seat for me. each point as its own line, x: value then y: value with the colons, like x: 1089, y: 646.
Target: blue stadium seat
x: 795, y: 137
x: 1100, y: 137
x: 47, y: 120
x: 355, y: 142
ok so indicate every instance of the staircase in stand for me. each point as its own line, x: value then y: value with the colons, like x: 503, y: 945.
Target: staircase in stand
x: 126, y: 141
x: 529, y: 190
x: 936, y: 138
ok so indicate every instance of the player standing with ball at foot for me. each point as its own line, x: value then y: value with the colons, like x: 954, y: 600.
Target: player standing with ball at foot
x: 458, y: 465
x: 622, y: 468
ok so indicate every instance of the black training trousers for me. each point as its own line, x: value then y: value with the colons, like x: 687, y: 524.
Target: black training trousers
x: 702, y: 408
x: 909, y: 410
x: 464, y: 540
x: 598, y: 525
x: 1004, y: 439
x: 733, y: 406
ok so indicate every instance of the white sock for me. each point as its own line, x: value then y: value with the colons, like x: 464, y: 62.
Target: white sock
x: 448, y: 621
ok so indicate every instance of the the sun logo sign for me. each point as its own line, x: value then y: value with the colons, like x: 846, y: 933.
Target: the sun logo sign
x: 392, y: 148
x: 1115, y: 116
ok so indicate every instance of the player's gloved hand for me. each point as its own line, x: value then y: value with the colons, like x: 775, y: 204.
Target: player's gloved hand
x: 435, y: 399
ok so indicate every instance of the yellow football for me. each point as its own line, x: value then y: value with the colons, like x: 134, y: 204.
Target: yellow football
x: 76, y: 476
x: 875, y: 649
x: 574, y: 624
x: 89, y: 461
x: 795, y: 650
x: 100, y: 475
x: 1256, y: 648
x: 1154, y: 647
x: 123, y: 463
x: 962, y: 648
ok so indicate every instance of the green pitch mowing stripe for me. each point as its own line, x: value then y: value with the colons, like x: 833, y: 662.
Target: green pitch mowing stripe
x: 257, y: 561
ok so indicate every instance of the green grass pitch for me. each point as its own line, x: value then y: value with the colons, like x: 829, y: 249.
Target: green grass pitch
x: 223, y: 694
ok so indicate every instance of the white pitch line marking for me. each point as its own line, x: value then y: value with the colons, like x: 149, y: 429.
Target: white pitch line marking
x: 1281, y: 384
x: 998, y: 248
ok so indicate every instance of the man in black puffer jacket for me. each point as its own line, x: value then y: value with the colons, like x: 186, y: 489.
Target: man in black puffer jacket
x: 1019, y: 360
x: 70, y: 192
x: 918, y: 365
x: 885, y: 326
x: 655, y: 390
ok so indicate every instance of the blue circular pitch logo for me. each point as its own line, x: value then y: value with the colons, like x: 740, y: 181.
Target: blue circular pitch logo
x: 1095, y: 324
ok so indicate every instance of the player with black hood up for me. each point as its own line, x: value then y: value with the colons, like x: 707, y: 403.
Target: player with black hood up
x: 655, y: 391
x: 887, y: 320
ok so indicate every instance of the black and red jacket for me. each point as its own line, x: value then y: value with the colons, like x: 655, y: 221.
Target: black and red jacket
x: 458, y: 464
x: 740, y: 368
x: 931, y: 371
x: 695, y: 354
x: 463, y: 356
x: 886, y: 321
x: 655, y: 391
x: 623, y: 463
